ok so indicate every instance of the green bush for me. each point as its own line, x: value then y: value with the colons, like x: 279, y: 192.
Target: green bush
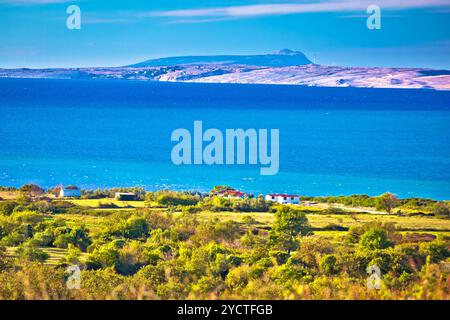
x: 248, y: 219
x: 31, y: 253
x: 105, y: 256
x: 280, y: 257
x: 31, y: 189
x: 441, y: 210
x: 374, y: 239
x: 167, y: 198
x: 238, y: 277
x: 73, y: 255
x: 77, y: 237
x: 43, y: 239
x: 436, y: 250
x: 355, y: 232
x: 15, y: 237
x: 329, y: 265
x: 7, y: 207
x: 28, y: 217
x: 190, y: 209
x: 287, y: 274
x: 133, y: 228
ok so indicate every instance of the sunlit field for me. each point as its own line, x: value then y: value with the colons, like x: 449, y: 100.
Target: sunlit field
x: 175, y: 245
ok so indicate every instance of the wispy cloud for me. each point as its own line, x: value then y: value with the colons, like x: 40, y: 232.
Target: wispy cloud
x: 32, y: 2
x: 364, y: 16
x: 296, y: 8
x: 93, y: 20
x: 200, y: 20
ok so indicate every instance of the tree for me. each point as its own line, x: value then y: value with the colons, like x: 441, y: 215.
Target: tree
x: 441, y: 210
x: 436, y: 250
x: 172, y: 198
x: 7, y: 207
x: 133, y: 228
x: 4, y: 261
x: 387, y: 202
x: 76, y: 236
x: 73, y: 255
x: 30, y: 253
x: 31, y: 190
x: 104, y: 256
x: 329, y: 265
x: 290, y: 222
x: 375, y: 238
x: 218, y: 189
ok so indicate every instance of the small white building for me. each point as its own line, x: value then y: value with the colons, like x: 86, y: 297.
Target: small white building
x: 283, y: 198
x: 70, y: 192
x: 125, y: 196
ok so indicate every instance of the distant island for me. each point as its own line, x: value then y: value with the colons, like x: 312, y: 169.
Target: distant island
x: 282, y: 58
x: 281, y: 67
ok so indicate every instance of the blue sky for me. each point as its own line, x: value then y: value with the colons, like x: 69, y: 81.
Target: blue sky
x: 414, y: 33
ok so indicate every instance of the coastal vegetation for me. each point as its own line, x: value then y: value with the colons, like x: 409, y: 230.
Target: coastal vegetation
x: 191, y: 245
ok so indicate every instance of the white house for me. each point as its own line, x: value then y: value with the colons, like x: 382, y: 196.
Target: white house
x: 70, y: 191
x: 283, y: 198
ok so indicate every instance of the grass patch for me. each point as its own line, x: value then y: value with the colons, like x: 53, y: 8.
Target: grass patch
x: 56, y: 255
x: 96, y: 203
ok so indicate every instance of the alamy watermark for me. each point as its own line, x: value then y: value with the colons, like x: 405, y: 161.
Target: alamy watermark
x: 74, y: 279
x: 73, y: 21
x: 229, y: 148
x: 374, y: 279
x: 374, y: 18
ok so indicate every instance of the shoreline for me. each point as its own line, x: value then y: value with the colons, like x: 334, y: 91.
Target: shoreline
x: 205, y: 192
x: 246, y: 84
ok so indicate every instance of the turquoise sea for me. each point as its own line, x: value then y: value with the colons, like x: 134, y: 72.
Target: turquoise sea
x: 333, y: 141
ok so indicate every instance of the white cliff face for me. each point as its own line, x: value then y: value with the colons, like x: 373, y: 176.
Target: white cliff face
x: 323, y: 76
x: 307, y: 75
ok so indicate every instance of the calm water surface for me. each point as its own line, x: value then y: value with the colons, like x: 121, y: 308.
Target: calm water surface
x: 99, y: 133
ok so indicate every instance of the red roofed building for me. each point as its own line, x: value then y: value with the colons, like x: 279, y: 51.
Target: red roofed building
x: 235, y: 194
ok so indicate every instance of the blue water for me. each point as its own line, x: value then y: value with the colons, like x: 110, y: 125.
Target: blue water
x: 333, y: 141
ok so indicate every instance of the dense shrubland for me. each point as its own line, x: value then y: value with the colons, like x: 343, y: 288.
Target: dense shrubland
x: 387, y: 200
x: 109, y: 193
x: 168, y: 251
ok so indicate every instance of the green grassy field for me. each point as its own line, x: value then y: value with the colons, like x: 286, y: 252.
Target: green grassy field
x: 317, y: 220
x: 417, y: 224
x: 94, y: 203
x: 414, y: 223
x: 202, y: 251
